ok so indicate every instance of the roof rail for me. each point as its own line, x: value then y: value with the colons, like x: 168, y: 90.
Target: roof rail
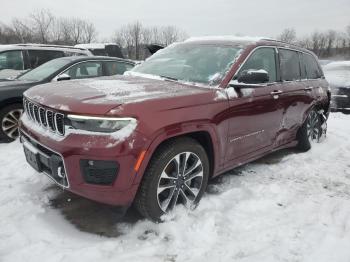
x: 49, y: 45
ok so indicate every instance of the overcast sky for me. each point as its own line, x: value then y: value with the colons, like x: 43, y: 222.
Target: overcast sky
x: 197, y: 17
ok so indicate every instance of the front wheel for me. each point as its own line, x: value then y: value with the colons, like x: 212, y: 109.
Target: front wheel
x: 177, y: 174
x: 9, y: 119
x: 310, y: 132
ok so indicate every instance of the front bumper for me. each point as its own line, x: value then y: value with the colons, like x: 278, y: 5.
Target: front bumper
x: 63, y: 161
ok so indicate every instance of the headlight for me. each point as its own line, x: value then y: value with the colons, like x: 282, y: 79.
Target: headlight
x: 99, y: 124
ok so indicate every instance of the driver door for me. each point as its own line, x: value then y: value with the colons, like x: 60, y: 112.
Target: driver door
x: 255, y: 109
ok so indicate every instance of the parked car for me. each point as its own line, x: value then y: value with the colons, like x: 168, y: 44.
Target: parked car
x: 338, y: 76
x: 103, y: 49
x: 192, y: 111
x: 66, y: 68
x: 16, y: 59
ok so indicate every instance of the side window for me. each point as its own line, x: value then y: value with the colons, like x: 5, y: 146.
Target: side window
x: 303, y: 70
x: 262, y: 58
x: 117, y: 68
x: 70, y: 53
x: 11, y: 60
x: 39, y: 57
x: 85, y: 70
x: 309, y: 64
x: 289, y: 64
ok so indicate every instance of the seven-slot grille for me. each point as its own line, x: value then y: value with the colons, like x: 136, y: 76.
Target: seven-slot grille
x: 44, y: 117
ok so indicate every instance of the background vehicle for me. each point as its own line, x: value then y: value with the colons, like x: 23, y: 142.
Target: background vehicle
x: 338, y: 76
x: 16, y: 59
x: 66, y: 68
x: 196, y: 109
x: 103, y: 49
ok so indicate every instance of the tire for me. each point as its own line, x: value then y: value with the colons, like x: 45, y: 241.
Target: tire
x: 9, y: 117
x: 310, y: 131
x: 165, y: 178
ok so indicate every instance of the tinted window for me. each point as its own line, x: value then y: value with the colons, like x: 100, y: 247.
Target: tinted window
x: 289, y: 64
x: 263, y: 58
x: 11, y: 60
x: 117, y: 68
x: 85, y: 70
x: 310, y: 67
x: 38, y: 57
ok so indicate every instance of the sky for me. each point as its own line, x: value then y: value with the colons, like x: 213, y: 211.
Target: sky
x: 197, y: 17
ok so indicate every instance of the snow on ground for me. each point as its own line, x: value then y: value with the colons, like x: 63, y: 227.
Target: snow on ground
x: 285, y: 207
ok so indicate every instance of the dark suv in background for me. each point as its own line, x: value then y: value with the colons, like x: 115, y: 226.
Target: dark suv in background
x: 192, y: 111
x: 15, y: 59
x: 65, y: 68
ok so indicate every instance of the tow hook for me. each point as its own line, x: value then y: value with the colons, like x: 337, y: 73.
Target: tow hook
x: 323, y: 126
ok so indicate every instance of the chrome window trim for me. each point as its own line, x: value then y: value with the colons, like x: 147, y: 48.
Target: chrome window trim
x: 54, y: 79
x: 277, y: 52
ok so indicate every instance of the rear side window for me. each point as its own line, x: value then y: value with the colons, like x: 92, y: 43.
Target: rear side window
x: 85, y: 70
x: 117, y: 68
x: 309, y: 67
x: 39, y: 57
x: 263, y: 58
x: 289, y: 64
x: 11, y: 60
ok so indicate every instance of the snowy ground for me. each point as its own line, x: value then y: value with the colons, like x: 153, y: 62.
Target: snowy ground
x: 284, y: 207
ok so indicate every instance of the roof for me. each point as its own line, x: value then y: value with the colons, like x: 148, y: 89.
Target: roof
x: 94, y: 45
x: 42, y: 46
x: 244, y: 40
x: 87, y: 58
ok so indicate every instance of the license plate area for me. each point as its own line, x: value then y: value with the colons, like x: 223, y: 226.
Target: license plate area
x: 44, y: 160
x: 32, y: 156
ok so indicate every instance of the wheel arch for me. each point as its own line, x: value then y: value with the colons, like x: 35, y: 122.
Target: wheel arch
x: 205, y: 136
x: 10, y: 101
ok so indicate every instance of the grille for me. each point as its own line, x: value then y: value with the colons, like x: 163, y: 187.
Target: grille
x: 46, y: 118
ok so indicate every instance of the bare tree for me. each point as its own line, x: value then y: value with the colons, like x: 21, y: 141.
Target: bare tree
x: 288, y: 35
x: 42, y: 20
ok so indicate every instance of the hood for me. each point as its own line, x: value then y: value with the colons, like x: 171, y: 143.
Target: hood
x: 99, y: 96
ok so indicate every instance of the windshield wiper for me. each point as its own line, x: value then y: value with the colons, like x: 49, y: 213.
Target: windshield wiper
x: 169, y: 78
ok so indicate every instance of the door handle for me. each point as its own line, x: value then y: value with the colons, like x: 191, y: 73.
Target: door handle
x: 309, y: 88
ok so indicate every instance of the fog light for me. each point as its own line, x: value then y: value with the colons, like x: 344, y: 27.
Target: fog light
x: 99, y: 172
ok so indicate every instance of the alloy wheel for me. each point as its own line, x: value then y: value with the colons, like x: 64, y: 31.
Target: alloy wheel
x: 313, y: 127
x: 180, y: 181
x: 10, y: 123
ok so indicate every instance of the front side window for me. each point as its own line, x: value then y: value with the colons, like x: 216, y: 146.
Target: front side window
x: 85, y: 70
x: 262, y: 59
x: 11, y: 60
x: 190, y: 62
x: 117, y: 68
x: 289, y: 65
x: 39, y: 57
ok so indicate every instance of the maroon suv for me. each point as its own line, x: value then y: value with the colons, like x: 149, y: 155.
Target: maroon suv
x: 189, y: 113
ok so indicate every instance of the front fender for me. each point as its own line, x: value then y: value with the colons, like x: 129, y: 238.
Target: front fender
x: 176, y: 131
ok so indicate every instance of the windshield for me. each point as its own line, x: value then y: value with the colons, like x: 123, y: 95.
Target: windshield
x: 199, y: 63
x: 44, y: 71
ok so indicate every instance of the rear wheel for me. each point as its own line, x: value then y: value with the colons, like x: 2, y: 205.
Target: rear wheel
x: 310, y: 132
x: 177, y: 174
x: 9, y: 119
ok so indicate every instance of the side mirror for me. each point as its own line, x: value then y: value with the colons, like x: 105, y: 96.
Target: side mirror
x: 253, y: 76
x: 63, y: 77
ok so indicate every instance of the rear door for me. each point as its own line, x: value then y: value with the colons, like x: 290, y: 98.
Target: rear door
x: 255, y: 111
